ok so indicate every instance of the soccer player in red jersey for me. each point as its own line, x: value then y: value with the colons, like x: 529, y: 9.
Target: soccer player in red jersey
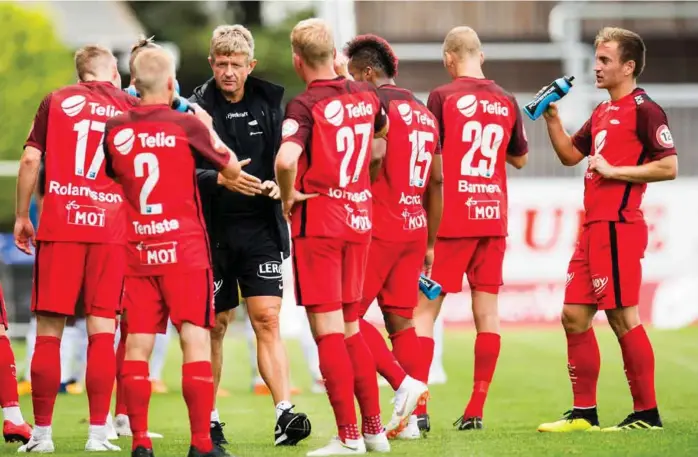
x: 150, y: 152
x: 80, y: 243
x: 407, y: 204
x: 629, y: 144
x: 481, y: 131
x: 14, y: 428
x: 326, y: 151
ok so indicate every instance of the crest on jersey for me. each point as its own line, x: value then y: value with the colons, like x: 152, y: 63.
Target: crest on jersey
x: 467, y: 105
x: 600, y: 141
x: 289, y: 127
x: 664, y: 136
x: 405, y: 111
x: 123, y: 141
x: 334, y: 113
x: 72, y: 106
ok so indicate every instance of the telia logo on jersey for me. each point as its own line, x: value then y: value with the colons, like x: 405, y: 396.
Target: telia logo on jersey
x: 334, y: 111
x: 600, y: 141
x: 72, y: 106
x: 467, y: 105
x: 159, y: 140
x: 123, y: 141
x: 405, y: 111
x: 158, y: 253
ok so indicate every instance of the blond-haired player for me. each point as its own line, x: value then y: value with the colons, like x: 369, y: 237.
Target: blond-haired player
x: 323, y: 172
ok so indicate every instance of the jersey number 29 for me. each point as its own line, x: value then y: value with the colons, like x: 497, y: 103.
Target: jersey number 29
x: 487, y: 139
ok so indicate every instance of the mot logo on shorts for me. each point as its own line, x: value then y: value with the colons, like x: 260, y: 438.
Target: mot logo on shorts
x: 483, y: 209
x: 158, y: 253
x: 270, y: 270
x: 92, y: 216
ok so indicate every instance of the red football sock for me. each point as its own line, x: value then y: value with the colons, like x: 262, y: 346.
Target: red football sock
x: 100, y: 375
x: 386, y: 363
x: 137, y: 389
x: 407, y: 350
x: 336, y: 369
x: 583, y: 364
x: 8, y: 375
x: 365, y: 384
x: 427, y: 355
x: 120, y: 407
x: 46, y: 378
x: 639, y: 367
x: 486, y: 354
x: 197, y: 388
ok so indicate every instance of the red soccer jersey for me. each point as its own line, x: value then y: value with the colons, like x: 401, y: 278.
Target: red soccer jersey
x: 627, y: 132
x: 150, y: 151
x: 334, y: 121
x: 413, y: 139
x: 81, y: 204
x: 480, y: 125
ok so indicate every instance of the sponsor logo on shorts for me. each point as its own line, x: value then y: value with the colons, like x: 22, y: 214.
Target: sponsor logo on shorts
x: 270, y: 270
x: 217, y: 286
x: 414, y: 220
x: 599, y: 284
x: 358, y: 220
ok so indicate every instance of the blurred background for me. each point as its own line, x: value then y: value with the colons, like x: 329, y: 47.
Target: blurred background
x: 527, y: 45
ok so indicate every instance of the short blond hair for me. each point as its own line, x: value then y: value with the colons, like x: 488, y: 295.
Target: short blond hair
x: 312, y: 40
x: 630, y: 45
x: 462, y: 41
x: 231, y: 39
x: 152, y: 67
x: 92, y: 60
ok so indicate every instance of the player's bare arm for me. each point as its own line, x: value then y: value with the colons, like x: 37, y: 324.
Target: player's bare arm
x: 286, y: 168
x: 29, y: 166
x: 664, y: 169
x: 434, y: 206
x: 568, y: 154
x: 378, y: 150
x: 517, y: 162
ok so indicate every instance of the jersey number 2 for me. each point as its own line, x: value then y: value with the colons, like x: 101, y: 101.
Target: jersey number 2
x: 147, y: 163
x: 487, y: 139
x: 346, y: 143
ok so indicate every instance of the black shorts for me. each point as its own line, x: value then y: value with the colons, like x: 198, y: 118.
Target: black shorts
x: 248, y: 255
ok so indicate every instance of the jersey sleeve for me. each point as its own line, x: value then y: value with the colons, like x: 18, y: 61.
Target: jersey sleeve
x: 653, y: 131
x: 518, y: 144
x: 205, y: 142
x: 39, y: 129
x: 298, y: 123
x: 582, y: 139
x: 435, y: 105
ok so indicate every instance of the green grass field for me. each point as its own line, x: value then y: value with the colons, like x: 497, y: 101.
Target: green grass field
x: 530, y: 387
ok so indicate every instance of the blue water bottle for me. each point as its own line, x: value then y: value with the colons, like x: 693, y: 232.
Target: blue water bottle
x: 547, y: 95
x: 430, y: 288
x: 178, y: 104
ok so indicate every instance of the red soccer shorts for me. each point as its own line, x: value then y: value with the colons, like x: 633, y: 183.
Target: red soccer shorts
x: 329, y: 275
x: 3, y: 310
x: 63, y: 270
x: 479, y: 258
x: 605, y: 269
x: 392, y: 276
x: 181, y: 297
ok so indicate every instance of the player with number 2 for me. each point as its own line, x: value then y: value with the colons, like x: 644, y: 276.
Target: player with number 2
x: 481, y: 131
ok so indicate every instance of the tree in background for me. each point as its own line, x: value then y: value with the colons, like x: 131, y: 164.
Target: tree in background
x: 33, y: 62
x: 189, y: 25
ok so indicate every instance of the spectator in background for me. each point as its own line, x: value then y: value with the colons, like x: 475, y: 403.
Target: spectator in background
x: 249, y: 236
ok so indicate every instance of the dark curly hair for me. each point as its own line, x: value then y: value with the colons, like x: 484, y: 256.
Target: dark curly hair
x: 372, y: 51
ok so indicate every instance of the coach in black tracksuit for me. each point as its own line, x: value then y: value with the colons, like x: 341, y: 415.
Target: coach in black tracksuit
x: 248, y: 233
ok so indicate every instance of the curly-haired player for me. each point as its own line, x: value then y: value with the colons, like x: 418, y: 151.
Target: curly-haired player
x: 408, y: 203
